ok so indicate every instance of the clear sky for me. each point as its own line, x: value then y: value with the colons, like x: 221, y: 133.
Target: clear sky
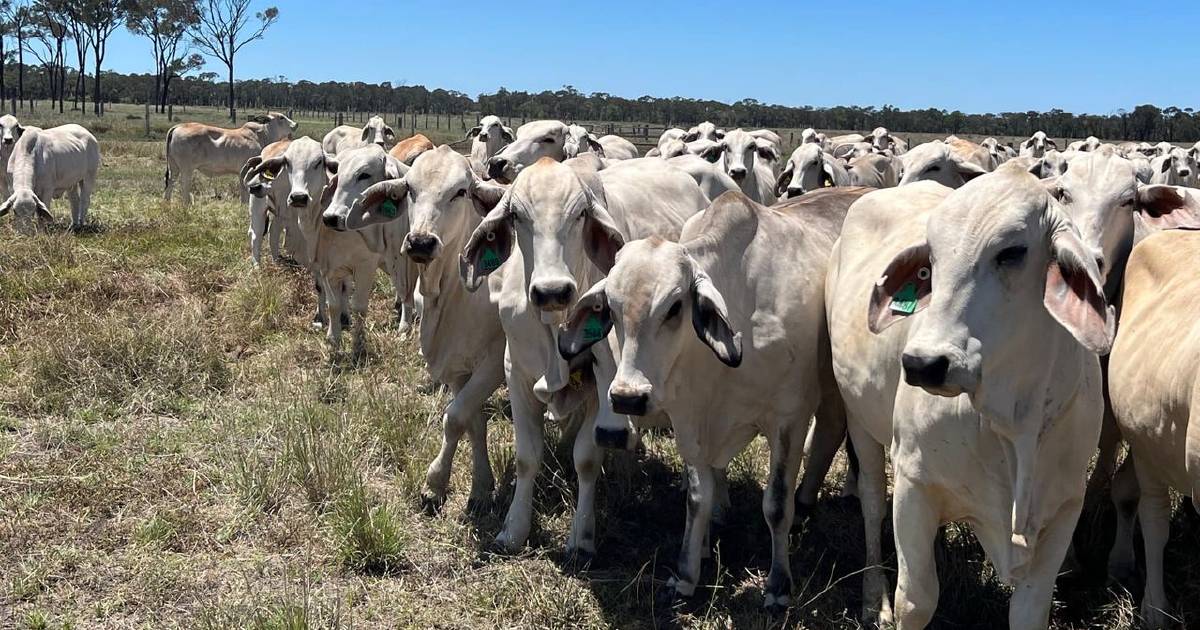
x: 971, y: 55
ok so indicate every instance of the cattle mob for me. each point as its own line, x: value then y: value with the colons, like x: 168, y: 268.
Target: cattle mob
x: 954, y: 292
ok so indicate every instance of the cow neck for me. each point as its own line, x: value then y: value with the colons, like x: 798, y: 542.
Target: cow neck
x: 23, y: 174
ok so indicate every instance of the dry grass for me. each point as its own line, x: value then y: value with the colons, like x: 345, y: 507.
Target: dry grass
x: 176, y: 452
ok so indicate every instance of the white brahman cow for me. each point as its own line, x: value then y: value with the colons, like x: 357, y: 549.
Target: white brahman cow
x: 46, y: 164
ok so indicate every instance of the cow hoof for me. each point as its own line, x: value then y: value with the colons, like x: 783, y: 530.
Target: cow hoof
x: 431, y: 504
x: 345, y: 320
x: 1123, y: 575
x: 669, y: 597
x: 579, y: 559
x: 804, y: 511
x: 318, y: 324
x: 503, y: 545
x: 479, y: 505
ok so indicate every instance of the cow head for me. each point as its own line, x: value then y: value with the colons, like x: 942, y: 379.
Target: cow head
x: 1001, y: 262
x: 492, y: 134
x: 1037, y: 145
x: 556, y: 220
x: 10, y: 131
x: 535, y: 140
x: 357, y: 170
x: 806, y: 170
x: 26, y: 209
x: 739, y: 150
x: 881, y: 139
x: 278, y: 127
x: 378, y: 132
x: 1173, y: 167
x: 649, y: 297
x: 704, y: 131
x: 935, y: 161
x: 580, y: 140
x: 440, y: 196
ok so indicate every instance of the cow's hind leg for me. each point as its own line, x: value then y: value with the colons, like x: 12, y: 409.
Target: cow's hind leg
x: 872, y: 492
x: 787, y: 451
x: 1122, y: 560
x: 76, y: 215
x: 828, y: 434
x: 1154, y: 512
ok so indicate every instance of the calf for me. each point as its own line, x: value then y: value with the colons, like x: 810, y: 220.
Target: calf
x: 268, y: 196
x: 45, y: 164
x: 218, y: 151
x: 995, y: 311
x: 754, y: 361
x: 487, y: 138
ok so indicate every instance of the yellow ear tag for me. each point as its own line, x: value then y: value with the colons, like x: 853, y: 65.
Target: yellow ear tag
x: 576, y: 379
x: 268, y: 175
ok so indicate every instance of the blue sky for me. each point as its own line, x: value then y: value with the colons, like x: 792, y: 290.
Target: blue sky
x: 975, y: 56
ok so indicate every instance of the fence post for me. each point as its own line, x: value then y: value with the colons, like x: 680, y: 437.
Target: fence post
x: 339, y: 119
x: 14, y: 106
x: 171, y: 112
x: 147, y: 118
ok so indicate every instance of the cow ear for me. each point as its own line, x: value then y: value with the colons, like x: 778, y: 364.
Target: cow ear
x: 42, y: 211
x: 785, y: 179
x: 1168, y: 207
x: 904, y: 288
x: 601, y: 238
x: 1074, y: 297
x: 17, y: 131
x: 766, y: 150
x: 331, y: 163
x: 267, y: 169
x: 474, y: 131
x: 244, y: 174
x: 720, y: 134
x: 1035, y: 169
x: 488, y: 247
x: 710, y: 318
x: 595, y: 145
x: 1053, y: 144
x: 589, y: 321
x: 509, y: 136
x: 830, y: 178
x: 485, y: 195
x: 6, y: 207
x: 968, y: 170
x: 383, y: 202
x: 365, y: 132
x: 327, y: 192
x: 713, y: 152
x: 388, y: 133
x: 393, y: 168
x: 691, y: 136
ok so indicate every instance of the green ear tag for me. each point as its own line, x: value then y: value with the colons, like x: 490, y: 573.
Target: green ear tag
x: 593, y: 328
x: 490, y: 261
x: 388, y: 208
x: 905, y: 300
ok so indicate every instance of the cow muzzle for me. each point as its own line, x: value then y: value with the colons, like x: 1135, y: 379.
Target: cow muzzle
x: 498, y: 169
x: 334, y: 221
x: 794, y: 191
x: 298, y: 199
x: 8, y: 141
x: 738, y: 174
x: 939, y: 372
x: 553, y: 295
x: 421, y: 247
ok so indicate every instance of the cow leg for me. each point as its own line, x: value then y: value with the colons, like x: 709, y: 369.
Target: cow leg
x: 917, y: 523
x: 76, y: 215
x: 828, y: 433
x: 297, y: 245
x: 274, y: 232
x: 787, y: 452
x: 872, y: 492
x: 721, y: 503
x: 454, y: 420
x: 185, y: 187
x: 1029, y: 607
x: 581, y: 543
x: 527, y: 414
x: 363, y: 278
x: 322, y: 317
x: 695, y: 534
x: 1154, y: 512
x: 464, y: 414
x: 243, y: 192
x: 333, y: 313
x: 1122, y: 560
x: 258, y: 225
x: 404, y: 278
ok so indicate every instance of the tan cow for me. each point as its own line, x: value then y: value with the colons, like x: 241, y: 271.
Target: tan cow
x: 1155, y: 389
x: 749, y: 279
x: 408, y: 149
x: 218, y: 151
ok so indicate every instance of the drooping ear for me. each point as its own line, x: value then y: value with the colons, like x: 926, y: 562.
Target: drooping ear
x: 588, y: 321
x: 42, y: 211
x: 691, y: 136
x: 267, y: 169
x: 365, y: 132
x: 474, y: 131
x: 710, y: 318
x: 388, y: 133
x: 17, y: 131
x: 508, y: 134
x: 830, y: 176
x: 720, y: 134
x: 784, y: 179
x: 713, y: 152
x: 485, y: 195
x: 1035, y: 169
x: 1168, y: 207
x: 966, y: 169
x: 331, y: 163
x: 766, y: 150
x: 393, y: 168
x: 601, y: 238
x: 595, y: 145
x: 1074, y: 296
x: 903, y: 289
x: 327, y: 192
x: 383, y: 202
x: 244, y: 173
x: 488, y: 247
x: 1053, y: 144
x: 653, y: 152
x: 6, y: 207
x: 842, y: 150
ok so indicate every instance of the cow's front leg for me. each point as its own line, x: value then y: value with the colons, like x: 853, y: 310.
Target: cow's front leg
x: 1032, y: 597
x: 581, y: 544
x: 787, y: 451
x: 695, y: 535
x: 334, y: 303
x: 258, y: 225
x: 363, y: 280
x: 916, y: 530
x: 527, y: 414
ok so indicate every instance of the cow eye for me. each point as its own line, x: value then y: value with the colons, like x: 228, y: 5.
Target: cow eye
x: 1011, y: 256
x: 674, y: 312
x: 933, y: 169
x: 364, y: 176
x: 548, y: 140
x: 461, y: 193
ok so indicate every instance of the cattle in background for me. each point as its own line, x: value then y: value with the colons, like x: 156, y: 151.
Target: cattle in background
x: 535, y: 140
x: 750, y: 280
x: 10, y: 132
x: 1173, y: 168
x: 1091, y: 143
x: 748, y: 157
x: 1037, y: 145
x: 580, y: 140
x: 882, y: 141
x: 46, y: 164
x: 218, y: 151
x: 809, y: 168
x: 408, y: 149
x: 487, y: 138
x: 345, y: 137
x: 268, y: 196
x: 874, y: 170
x: 948, y: 164
x: 665, y: 138
x: 704, y: 131
x: 1025, y: 423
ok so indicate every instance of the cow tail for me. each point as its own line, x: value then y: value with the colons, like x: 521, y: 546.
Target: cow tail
x: 167, y: 174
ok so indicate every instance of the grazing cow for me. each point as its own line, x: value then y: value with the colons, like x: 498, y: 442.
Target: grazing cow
x: 883, y: 141
x: 559, y: 228
x: 218, y: 151
x: 44, y: 165
x: 345, y: 137
x: 1155, y: 389
x: 748, y: 159
x: 704, y: 131
x: 875, y: 171
x: 443, y: 200
x: 996, y: 313
x: 535, y: 140
x: 750, y: 280
x: 711, y: 177
x: 1037, y: 145
x: 940, y: 162
x: 809, y: 168
x: 1172, y: 168
x: 270, y: 196
x: 488, y: 137
x: 408, y: 149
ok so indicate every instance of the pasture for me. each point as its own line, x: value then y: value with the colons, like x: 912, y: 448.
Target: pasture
x: 176, y: 451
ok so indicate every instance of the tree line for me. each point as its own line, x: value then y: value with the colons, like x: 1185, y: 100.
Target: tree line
x: 37, y: 37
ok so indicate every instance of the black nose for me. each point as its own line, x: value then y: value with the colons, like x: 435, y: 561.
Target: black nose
x: 298, y: 199
x: 483, y: 137
x: 925, y: 371
x: 612, y: 438
x: 496, y: 167
x: 794, y: 191
x: 8, y: 141
x: 257, y: 190
x: 738, y: 174
x: 332, y: 221
x: 420, y: 247
x: 629, y: 404
x: 552, y: 296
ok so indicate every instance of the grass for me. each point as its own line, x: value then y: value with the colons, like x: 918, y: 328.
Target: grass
x: 175, y: 451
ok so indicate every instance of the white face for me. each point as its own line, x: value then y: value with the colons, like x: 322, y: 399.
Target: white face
x: 358, y: 169
x: 280, y: 127
x: 535, y: 140
x: 305, y: 169
x: 10, y: 130
x: 1099, y: 192
x: 376, y: 131
x: 738, y: 150
x: 881, y: 139
x: 438, y: 202
x: 805, y: 171
x: 934, y: 161
x: 704, y: 131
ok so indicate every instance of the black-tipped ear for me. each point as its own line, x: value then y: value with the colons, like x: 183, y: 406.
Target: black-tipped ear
x: 710, y: 318
x: 485, y: 195
x: 713, y: 153
x: 474, y: 131
x: 489, y: 246
x: 589, y: 321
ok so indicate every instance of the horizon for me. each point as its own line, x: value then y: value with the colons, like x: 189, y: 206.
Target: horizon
x: 593, y: 52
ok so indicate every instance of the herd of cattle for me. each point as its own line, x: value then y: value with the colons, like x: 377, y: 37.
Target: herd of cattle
x: 956, y: 303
